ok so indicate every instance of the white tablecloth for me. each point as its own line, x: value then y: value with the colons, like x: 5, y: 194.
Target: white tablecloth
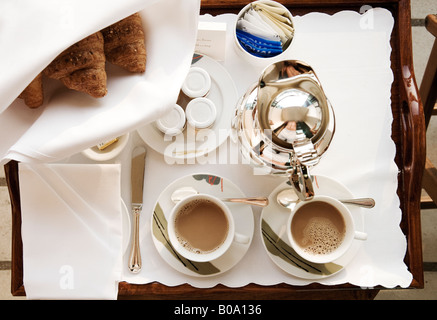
x: 352, y: 61
x: 353, y: 64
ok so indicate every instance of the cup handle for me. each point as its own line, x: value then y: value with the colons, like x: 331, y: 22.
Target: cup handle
x: 360, y: 235
x: 240, y: 238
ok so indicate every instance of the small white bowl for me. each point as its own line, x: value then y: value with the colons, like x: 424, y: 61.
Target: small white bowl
x: 201, y: 113
x: 173, y: 122
x: 108, y: 153
x: 197, y: 83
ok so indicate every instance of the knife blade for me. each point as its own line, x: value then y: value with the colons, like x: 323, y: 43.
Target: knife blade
x: 137, y: 184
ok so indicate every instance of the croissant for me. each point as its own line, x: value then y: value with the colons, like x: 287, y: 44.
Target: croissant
x: 33, y: 95
x: 82, y: 66
x: 125, y: 45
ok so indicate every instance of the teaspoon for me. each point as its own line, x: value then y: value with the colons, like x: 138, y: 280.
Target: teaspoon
x: 288, y: 199
x: 184, y: 192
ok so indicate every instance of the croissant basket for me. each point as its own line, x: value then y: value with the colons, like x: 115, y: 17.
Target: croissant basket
x: 81, y: 67
x: 124, y: 44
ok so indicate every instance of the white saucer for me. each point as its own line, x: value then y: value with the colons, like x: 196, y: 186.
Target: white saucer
x: 216, y: 186
x: 223, y: 94
x: 275, y: 240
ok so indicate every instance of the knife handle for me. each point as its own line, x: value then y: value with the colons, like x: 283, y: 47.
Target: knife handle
x: 135, y: 255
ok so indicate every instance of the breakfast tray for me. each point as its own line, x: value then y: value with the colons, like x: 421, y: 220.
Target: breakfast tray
x: 408, y: 134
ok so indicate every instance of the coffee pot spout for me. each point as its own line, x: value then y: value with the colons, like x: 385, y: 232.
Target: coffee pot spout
x: 301, y: 182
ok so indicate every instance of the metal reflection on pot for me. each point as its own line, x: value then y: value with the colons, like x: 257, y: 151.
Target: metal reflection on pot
x: 285, y: 123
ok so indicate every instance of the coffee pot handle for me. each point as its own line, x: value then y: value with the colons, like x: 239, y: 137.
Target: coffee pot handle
x: 301, y: 182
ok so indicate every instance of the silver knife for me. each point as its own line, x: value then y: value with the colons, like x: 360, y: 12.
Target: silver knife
x: 137, y: 183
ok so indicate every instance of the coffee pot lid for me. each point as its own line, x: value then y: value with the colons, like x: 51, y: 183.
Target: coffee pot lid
x: 292, y: 107
x: 285, y: 123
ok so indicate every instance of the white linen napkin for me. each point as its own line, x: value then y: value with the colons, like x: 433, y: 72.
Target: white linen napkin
x: 33, y: 34
x: 71, y: 230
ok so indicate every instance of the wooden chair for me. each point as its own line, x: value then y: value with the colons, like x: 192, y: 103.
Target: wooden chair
x: 428, y: 93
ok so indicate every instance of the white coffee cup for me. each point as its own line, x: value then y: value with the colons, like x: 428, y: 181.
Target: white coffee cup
x: 186, y: 250
x: 350, y: 232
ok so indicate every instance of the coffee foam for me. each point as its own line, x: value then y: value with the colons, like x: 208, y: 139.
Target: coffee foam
x: 190, y: 205
x: 321, y: 236
x: 190, y: 248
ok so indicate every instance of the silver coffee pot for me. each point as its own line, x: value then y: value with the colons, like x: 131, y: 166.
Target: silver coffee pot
x: 284, y: 123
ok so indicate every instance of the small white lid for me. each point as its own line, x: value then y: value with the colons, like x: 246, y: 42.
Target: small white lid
x: 197, y: 83
x: 201, y: 113
x: 173, y: 122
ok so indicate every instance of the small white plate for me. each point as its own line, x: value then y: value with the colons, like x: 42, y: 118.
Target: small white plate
x: 186, y: 146
x: 109, y: 152
x: 216, y: 186
x: 274, y: 237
